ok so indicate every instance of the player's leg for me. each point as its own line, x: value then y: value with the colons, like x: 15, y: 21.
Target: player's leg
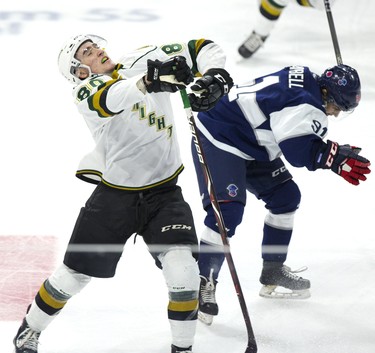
x: 266, y: 19
x: 282, y: 204
x: 211, y: 257
x: 96, y: 227
x: 317, y: 4
x: 49, y: 301
x: 181, y: 275
x: 228, y: 173
x: 272, y: 183
x: 171, y: 237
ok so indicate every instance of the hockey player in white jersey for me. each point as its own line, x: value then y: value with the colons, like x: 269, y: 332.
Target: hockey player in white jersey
x: 136, y: 163
x: 243, y: 137
x: 268, y: 14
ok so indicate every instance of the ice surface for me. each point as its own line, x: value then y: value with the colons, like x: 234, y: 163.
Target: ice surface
x: 42, y: 139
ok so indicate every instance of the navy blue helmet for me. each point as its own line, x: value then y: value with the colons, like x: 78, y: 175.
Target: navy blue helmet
x: 343, y: 86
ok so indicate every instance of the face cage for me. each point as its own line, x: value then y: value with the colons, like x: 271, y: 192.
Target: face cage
x: 343, y: 113
x: 75, y: 64
x: 343, y: 109
x: 329, y: 99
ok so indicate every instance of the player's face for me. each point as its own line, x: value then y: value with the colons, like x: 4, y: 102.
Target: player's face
x: 332, y: 109
x: 96, y: 58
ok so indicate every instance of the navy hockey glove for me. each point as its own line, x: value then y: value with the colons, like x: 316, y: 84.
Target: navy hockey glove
x: 207, y: 91
x: 171, y: 75
x: 344, y: 161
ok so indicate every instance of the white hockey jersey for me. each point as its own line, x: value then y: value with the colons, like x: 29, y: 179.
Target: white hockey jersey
x: 136, y: 145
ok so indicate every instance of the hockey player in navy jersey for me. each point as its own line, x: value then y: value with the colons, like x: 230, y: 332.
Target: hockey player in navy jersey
x: 244, y: 136
x: 136, y: 162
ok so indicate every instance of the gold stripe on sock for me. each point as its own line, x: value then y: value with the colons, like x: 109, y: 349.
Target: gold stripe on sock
x: 49, y: 300
x: 271, y: 9
x: 183, y: 306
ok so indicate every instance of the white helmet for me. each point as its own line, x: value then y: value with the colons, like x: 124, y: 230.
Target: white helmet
x: 67, y: 61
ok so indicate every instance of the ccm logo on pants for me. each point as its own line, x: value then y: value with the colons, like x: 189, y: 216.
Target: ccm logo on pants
x: 175, y: 226
x: 278, y: 171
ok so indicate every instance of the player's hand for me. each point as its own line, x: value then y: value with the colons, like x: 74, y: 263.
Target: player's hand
x: 171, y: 75
x: 207, y: 90
x: 345, y: 161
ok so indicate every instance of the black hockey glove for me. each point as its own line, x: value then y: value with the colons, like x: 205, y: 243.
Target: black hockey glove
x: 344, y: 161
x: 214, y: 84
x: 171, y: 75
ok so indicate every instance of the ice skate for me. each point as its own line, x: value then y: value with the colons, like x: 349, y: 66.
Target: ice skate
x: 251, y: 45
x: 26, y: 340
x: 176, y: 349
x: 208, y: 307
x: 280, y: 282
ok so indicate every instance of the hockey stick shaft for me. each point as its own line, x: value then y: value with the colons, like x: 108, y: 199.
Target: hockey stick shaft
x: 251, y: 346
x: 332, y: 29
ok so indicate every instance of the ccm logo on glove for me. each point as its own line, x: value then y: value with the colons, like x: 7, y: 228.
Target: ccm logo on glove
x: 207, y: 90
x: 345, y: 161
x: 331, y: 155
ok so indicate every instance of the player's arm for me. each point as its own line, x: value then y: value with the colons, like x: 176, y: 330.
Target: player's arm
x: 205, y: 60
x: 104, y: 97
x: 313, y: 153
x: 205, y: 55
x: 208, y: 60
x: 299, y: 131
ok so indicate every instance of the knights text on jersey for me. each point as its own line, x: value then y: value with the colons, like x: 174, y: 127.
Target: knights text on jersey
x: 136, y: 142
x: 281, y: 113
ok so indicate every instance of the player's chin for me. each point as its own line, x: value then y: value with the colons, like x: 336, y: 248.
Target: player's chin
x: 108, y: 64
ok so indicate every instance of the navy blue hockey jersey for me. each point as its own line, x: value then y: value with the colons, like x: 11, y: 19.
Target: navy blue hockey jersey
x: 280, y: 113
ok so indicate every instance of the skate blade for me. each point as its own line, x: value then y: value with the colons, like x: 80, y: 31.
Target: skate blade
x: 277, y: 292
x: 205, y: 318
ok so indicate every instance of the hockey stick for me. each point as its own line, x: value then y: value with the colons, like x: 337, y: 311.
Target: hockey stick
x: 251, y: 345
x: 331, y: 24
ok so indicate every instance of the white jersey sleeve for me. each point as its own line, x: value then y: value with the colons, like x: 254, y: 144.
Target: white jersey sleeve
x: 201, y: 55
x: 136, y: 142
